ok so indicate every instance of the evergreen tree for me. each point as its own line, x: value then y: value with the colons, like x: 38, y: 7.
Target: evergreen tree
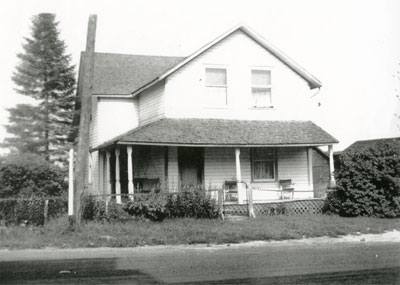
x: 45, y: 74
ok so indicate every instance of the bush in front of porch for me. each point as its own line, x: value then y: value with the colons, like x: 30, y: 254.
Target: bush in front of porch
x: 152, y: 207
x: 191, y: 204
x: 368, y: 183
x: 188, y: 203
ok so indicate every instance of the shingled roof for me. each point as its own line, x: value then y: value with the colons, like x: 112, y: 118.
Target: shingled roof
x: 120, y: 74
x: 218, y: 132
x: 123, y: 74
x: 358, y: 145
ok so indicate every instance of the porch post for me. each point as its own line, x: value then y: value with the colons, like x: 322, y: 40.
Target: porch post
x: 332, y: 182
x: 117, y: 175
x: 108, y: 173
x: 100, y: 179
x: 310, y: 166
x: 131, y: 188
x: 239, y: 183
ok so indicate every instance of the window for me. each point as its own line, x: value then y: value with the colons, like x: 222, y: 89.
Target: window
x: 261, y: 88
x: 216, y: 85
x: 264, y: 164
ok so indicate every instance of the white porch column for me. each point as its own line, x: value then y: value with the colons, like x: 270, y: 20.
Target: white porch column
x: 240, y: 188
x: 108, y: 173
x: 131, y: 188
x: 332, y: 182
x: 310, y: 166
x: 117, y: 177
x: 100, y: 180
x: 71, y: 183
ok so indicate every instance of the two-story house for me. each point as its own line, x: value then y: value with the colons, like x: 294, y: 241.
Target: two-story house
x: 234, y: 110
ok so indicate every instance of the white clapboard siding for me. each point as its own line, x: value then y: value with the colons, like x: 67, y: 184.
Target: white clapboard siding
x: 93, y: 128
x: 185, y: 89
x: 220, y: 166
x: 151, y: 104
x: 92, y: 169
x: 293, y: 164
x: 116, y: 116
x: 94, y: 179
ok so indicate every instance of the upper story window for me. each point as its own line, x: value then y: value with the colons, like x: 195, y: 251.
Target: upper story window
x: 264, y: 164
x: 261, y: 88
x: 217, y: 88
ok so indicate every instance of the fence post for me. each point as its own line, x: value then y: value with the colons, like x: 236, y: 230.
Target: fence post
x: 220, y: 203
x: 71, y: 183
x: 250, y: 208
x: 46, y: 211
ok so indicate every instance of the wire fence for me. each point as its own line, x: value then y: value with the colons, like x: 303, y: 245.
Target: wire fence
x: 31, y: 210
x: 38, y: 210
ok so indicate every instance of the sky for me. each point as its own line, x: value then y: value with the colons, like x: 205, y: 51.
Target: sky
x: 351, y: 46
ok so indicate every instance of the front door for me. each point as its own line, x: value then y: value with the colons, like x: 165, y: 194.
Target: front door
x: 191, y: 165
x: 320, y: 170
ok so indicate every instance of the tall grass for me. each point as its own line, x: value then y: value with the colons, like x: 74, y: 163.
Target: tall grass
x: 188, y: 231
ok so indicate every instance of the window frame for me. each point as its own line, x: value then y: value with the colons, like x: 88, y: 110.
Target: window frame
x: 269, y: 105
x: 226, y: 86
x: 275, y: 165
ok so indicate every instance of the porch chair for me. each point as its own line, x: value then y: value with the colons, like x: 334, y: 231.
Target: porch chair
x: 286, y: 188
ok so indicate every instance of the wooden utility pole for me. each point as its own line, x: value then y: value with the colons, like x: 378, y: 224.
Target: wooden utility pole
x: 82, y: 157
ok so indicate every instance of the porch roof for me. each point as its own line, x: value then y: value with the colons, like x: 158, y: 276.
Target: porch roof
x: 219, y: 132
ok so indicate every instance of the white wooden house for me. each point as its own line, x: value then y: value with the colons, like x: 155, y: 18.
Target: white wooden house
x: 234, y: 110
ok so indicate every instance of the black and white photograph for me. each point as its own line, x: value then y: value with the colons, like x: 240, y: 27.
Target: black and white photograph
x: 200, y: 142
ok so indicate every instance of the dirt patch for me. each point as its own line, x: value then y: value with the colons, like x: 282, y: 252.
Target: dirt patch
x: 390, y: 236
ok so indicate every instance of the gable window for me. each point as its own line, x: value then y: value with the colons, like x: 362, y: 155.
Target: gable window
x: 263, y: 164
x: 216, y: 85
x: 261, y: 88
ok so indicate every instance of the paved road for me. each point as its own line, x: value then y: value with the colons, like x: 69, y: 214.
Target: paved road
x: 300, y: 262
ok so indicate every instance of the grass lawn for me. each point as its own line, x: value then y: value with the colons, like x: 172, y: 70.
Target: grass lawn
x: 189, y: 231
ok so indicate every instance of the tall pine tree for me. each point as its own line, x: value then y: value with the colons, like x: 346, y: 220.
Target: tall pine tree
x: 45, y: 74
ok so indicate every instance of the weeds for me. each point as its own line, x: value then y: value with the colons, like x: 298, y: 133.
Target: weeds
x: 188, y: 231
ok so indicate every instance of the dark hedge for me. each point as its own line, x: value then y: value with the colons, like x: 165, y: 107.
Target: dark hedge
x: 368, y: 182
x: 28, y: 175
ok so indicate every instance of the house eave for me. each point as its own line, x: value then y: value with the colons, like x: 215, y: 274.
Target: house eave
x: 113, y: 95
x: 208, y: 145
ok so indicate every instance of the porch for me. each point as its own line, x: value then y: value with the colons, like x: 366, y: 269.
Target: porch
x: 169, y: 155
x: 128, y: 169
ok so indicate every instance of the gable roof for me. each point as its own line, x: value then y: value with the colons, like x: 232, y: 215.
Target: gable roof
x: 120, y: 74
x: 313, y: 82
x: 368, y: 143
x: 219, y: 132
x: 132, y: 74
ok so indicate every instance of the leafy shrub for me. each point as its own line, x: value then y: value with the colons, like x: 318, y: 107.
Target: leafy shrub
x: 155, y: 207
x: 58, y: 206
x: 368, y: 183
x: 152, y: 207
x: 191, y: 204
x: 30, y: 211
x: 99, y: 210
x: 29, y: 174
x: 279, y: 209
x: 7, y: 213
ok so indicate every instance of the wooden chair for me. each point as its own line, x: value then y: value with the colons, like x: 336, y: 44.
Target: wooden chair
x: 231, y: 191
x: 286, y: 188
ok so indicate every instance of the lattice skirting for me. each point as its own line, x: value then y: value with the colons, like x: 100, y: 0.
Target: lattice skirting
x: 312, y: 206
